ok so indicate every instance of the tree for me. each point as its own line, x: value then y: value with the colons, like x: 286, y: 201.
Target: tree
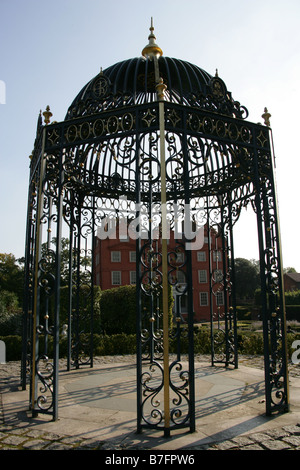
x: 12, y: 275
x: 11, y: 293
x: 49, y: 255
x: 289, y: 270
x: 8, y: 303
x: 246, y: 278
x: 10, y: 314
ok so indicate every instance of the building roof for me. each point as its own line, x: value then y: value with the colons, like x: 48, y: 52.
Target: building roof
x: 294, y: 276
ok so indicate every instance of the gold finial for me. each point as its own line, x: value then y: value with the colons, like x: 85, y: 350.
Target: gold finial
x: 217, y: 73
x: 152, y: 49
x: 266, y: 116
x: 47, y: 115
x: 161, y: 87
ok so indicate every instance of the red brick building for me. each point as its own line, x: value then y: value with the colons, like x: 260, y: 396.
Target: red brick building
x: 291, y: 281
x: 115, y: 265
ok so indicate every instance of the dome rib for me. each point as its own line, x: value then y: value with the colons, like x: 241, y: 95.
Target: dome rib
x: 175, y: 67
x: 132, y: 81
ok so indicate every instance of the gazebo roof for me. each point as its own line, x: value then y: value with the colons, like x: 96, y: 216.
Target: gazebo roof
x: 133, y: 81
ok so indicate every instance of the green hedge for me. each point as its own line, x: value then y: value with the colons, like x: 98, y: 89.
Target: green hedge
x: 243, y: 313
x: 85, y: 305
x: 292, y: 297
x: 292, y: 312
x: 292, y: 303
x: 119, y: 344
x: 252, y: 343
x: 118, y: 309
x: 122, y: 344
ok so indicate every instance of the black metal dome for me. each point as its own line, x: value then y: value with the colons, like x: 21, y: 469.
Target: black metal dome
x: 133, y: 82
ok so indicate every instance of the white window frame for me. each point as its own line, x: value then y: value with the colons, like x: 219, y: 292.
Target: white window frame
x: 201, y: 256
x: 205, y: 303
x: 220, y: 298
x: 115, y: 254
x: 132, y: 277
x: 114, y: 281
x: 202, y: 276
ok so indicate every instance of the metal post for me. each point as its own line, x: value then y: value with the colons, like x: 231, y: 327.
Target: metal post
x: 189, y: 273
x: 266, y: 223
x: 70, y: 289
x: 281, y: 283
x: 57, y: 293
x: 160, y: 88
x: 27, y: 296
x: 36, y: 306
x: 92, y: 290
x: 233, y: 288
x: 138, y: 298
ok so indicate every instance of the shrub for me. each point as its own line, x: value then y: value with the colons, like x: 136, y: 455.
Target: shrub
x: 292, y: 312
x: 251, y: 343
x: 118, y: 310
x: 202, y: 341
x: 10, y: 314
x: 119, y: 344
x: 243, y: 313
x: 292, y: 297
x: 85, y: 307
x: 122, y: 344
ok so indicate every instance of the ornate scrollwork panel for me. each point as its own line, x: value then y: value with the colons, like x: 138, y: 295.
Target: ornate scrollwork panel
x: 45, y: 281
x: 152, y: 338
x: 224, y: 346
x: 45, y: 374
x: 273, y: 299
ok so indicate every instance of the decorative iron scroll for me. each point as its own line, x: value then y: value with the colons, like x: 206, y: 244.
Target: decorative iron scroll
x: 45, y: 375
x: 152, y: 346
x: 272, y: 293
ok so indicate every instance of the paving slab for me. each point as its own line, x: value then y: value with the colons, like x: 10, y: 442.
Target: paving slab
x: 100, y: 404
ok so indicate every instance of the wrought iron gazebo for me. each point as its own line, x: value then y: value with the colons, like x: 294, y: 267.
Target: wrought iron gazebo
x: 158, y: 143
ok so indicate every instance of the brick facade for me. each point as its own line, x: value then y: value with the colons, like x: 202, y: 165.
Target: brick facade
x: 114, y: 265
x: 291, y: 281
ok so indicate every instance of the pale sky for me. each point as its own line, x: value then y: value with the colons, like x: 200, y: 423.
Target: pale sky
x: 51, y: 49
